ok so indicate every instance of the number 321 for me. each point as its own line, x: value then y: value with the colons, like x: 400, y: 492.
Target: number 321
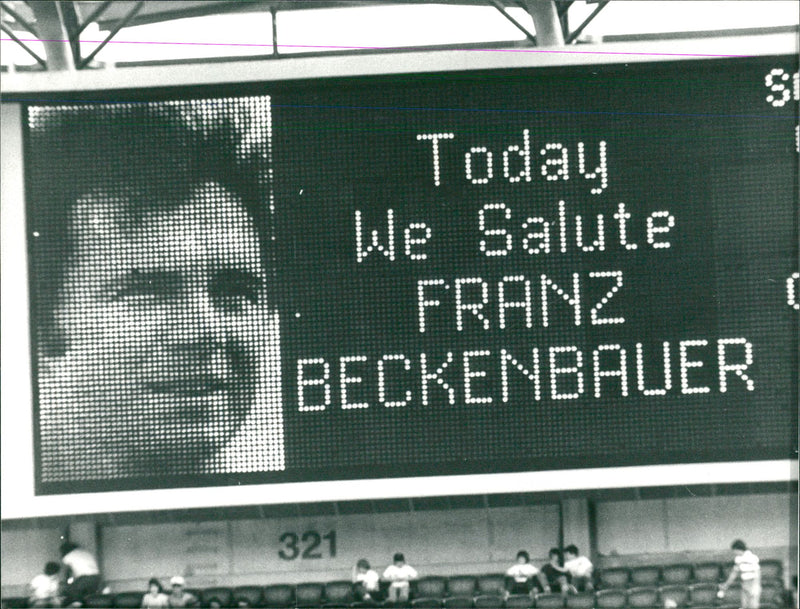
x: 311, y: 540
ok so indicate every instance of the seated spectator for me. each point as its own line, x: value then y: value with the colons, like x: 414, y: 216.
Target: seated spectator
x: 82, y: 574
x: 366, y: 581
x: 579, y: 568
x: 44, y: 587
x: 399, y: 575
x: 155, y: 597
x: 557, y: 576
x: 179, y: 597
x: 520, y: 576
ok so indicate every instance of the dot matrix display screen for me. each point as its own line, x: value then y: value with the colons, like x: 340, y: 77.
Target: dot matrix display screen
x: 416, y: 275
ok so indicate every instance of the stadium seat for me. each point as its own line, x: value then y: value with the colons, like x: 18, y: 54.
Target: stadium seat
x: 707, y: 572
x: 772, y: 593
x: 771, y: 569
x: 643, y: 598
x: 614, y: 577
x: 458, y: 602
x: 519, y: 601
x: 99, y: 601
x: 611, y: 599
x: 583, y: 600
x: 308, y: 595
x: 677, y: 592
x: 19, y: 602
x: 195, y: 592
x: 492, y: 584
x: 643, y: 577
x: 248, y: 596
x: 430, y: 587
x: 461, y: 585
x: 732, y: 596
x: 128, y: 600
x: 489, y: 601
x: 426, y: 603
x: 703, y: 594
x: 279, y: 595
x: 550, y: 600
x: 339, y: 592
x: 676, y: 574
x: 223, y: 595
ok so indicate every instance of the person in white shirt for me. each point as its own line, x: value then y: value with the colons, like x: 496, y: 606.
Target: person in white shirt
x: 746, y: 568
x: 82, y: 572
x: 366, y: 581
x: 580, y: 569
x: 44, y: 587
x: 399, y: 576
x: 520, y: 576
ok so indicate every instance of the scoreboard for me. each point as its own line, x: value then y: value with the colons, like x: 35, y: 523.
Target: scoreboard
x: 441, y: 273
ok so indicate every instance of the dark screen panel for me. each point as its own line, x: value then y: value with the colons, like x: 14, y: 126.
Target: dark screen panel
x: 515, y: 270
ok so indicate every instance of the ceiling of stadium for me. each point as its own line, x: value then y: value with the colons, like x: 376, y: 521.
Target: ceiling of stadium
x: 51, y: 34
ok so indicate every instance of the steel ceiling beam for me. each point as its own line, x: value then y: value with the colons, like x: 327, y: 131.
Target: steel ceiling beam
x: 574, y: 35
x: 119, y: 25
x: 499, y: 6
x: 28, y: 27
x: 24, y: 46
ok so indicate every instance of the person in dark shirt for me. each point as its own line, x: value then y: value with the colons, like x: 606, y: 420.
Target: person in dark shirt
x: 557, y: 576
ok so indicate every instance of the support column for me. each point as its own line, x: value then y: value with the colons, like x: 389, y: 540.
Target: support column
x: 576, y: 524
x: 53, y: 35
x: 546, y: 21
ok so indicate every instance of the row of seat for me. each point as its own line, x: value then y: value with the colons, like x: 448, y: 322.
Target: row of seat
x: 340, y: 595
x: 683, y: 573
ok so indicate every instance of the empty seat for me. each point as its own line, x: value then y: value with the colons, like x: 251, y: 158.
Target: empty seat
x: 339, y: 592
x: 707, y: 572
x: 489, y: 601
x: 679, y: 594
x: 461, y: 585
x: 614, y: 577
x: 430, y: 587
x: 222, y: 595
x: 676, y: 574
x: 426, y: 603
x: 550, y: 600
x: 308, y: 595
x: 645, y: 576
x: 772, y: 593
x: 458, y: 602
x: 771, y: 569
x: 519, y: 601
x: 643, y: 598
x: 279, y: 595
x: 248, y: 596
x: 128, y: 600
x: 583, y: 600
x: 492, y: 584
x: 99, y: 601
x: 703, y: 594
x: 610, y: 599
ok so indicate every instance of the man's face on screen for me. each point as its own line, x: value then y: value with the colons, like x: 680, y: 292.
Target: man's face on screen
x: 164, y: 319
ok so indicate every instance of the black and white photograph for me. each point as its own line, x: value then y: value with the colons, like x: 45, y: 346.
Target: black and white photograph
x: 457, y: 304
